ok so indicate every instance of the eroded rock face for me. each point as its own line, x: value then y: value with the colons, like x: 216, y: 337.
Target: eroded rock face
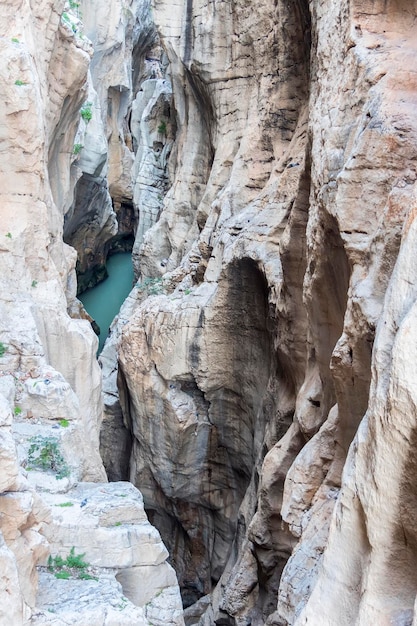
x: 124, y: 139
x: 245, y: 379
x: 103, y: 161
x: 202, y: 389
x: 50, y: 381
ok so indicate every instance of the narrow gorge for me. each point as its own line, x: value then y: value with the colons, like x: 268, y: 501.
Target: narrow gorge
x: 239, y: 448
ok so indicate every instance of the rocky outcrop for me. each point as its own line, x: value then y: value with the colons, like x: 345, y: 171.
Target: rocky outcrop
x: 124, y: 139
x: 212, y: 369
x: 246, y: 375
x: 107, y: 526
x: 258, y: 382
x: 50, y: 381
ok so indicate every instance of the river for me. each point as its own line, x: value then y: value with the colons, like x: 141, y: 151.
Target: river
x: 103, y: 301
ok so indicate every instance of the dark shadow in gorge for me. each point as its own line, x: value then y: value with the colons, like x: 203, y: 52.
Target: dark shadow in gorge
x: 198, y: 518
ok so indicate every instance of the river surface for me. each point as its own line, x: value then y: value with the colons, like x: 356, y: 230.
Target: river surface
x: 103, y: 301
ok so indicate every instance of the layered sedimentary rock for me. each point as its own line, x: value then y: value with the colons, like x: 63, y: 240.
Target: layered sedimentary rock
x: 124, y: 138
x: 245, y: 376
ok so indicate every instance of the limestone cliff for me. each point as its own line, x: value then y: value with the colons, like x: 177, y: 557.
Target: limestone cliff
x: 259, y: 383
x: 282, y: 297
x: 54, y: 497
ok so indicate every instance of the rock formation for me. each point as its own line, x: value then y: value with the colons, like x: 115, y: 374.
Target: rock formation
x: 55, y: 500
x: 258, y: 383
x: 244, y: 381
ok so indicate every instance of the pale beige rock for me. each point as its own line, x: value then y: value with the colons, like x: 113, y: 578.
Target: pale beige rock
x: 12, y: 608
x: 119, y: 538
x: 284, y: 237
x: 152, y: 131
x: 102, y: 213
x: 50, y: 380
x: 246, y: 372
x: 63, y: 602
x: 376, y: 576
x: 107, y: 524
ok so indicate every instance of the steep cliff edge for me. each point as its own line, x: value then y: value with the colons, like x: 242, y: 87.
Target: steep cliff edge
x: 54, y: 497
x: 244, y: 378
x: 258, y: 383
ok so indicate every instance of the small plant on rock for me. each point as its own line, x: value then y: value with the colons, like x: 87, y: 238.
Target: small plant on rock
x: 44, y: 454
x: 77, y: 148
x: 3, y: 349
x: 73, y: 566
x: 75, y: 561
x: 152, y: 286
x: 74, y: 5
x: 19, y: 82
x: 87, y: 112
x: 162, y: 128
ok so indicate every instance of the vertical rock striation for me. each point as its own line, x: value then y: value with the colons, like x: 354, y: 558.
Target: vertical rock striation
x: 50, y: 381
x: 258, y: 382
x: 246, y: 375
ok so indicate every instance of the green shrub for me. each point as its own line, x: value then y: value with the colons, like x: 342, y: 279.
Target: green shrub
x: 64, y: 423
x: 17, y: 410
x: 15, y: 40
x: 87, y: 112
x: 55, y: 562
x: 34, y: 283
x: 152, y: 286
x: 3, y: 349
x: 9, y: 235
x: 44, y: 454
x: 162, y: 128
x: 65, y: 504
x: 77, y: 148
x: 73, y: 566
x: 87, y: 576
x: 19, y: 82
x: 75, y: 560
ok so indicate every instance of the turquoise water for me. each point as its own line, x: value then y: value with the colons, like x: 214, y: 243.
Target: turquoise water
x: 103, y: 302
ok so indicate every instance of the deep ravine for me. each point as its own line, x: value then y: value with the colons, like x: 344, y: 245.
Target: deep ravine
x: 257, y: 385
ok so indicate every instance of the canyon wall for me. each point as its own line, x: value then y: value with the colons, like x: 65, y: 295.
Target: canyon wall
x: 265, y: 385
x: 56, y: 507
x: 258, y: 383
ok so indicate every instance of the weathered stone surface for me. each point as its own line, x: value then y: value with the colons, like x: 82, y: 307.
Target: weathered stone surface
x: 114, y: 161
x: 50, y: 381
x: 374, y: 513
x: 106, y: 523
x: 62, y: 602
x: 245, y: 381
x: 116, y: 538
x: 278, y: 200
x: 12, y: 609
x: 152, y: 132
